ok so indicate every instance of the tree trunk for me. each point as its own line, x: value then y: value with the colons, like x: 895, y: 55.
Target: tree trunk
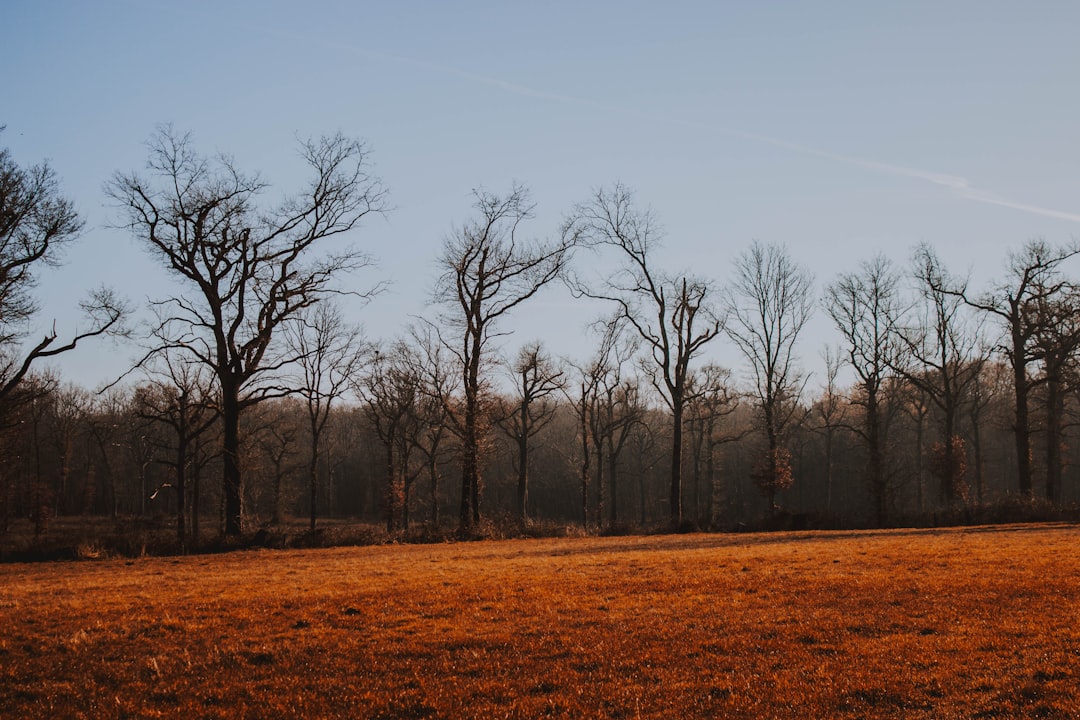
x: 1055, y: 408
x: 276, y: 515
x: 313, y: 481
x: 523, y: 465
x: 613, y: 495
x: 773, y: 442
x: 641, y: 492
x: 598, y: 506
x: 233, y: 487
x: 976, y: 446
x: 676, y: 458
x: 62, y: 504
x: 181, y: 491
x: 696, y: 444
x: 433, y: 474
x: 947, y: 489
x: 195, y: 484
x: 920, y: 462
x: 1023, y: 444
x: 710, y: 479
x: 584, y: 460
x: 877, y: 470
x: 5, y: 493
x: 391, y: 484
x: 470, y: 460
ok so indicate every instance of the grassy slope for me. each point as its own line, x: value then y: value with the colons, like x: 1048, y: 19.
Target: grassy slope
x: 948, y: 623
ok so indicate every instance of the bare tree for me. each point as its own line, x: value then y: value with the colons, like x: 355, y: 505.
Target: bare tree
x: 180, y: 398
x: 328, y: 354
x: 830, y: 414
x: 488, y: 269
x: 252, y: 269
x: 617, y: 407
x: 1032, y: 281
x: 863, y: 305
x: 105, y: 427
x: 917, y: 406
x: 770, y: 303
x: 69, y: 405
x: 646, y: 454
x: 674, y: 316
x: 340, y: 438
x: 536, y: 377
x: 714, y: 400
x: 278, y: 436
x: 587, y: 396
x: 36, y: 222
x: 1057, y: 341
x: 438, y: 385
x: 984, y: 393
x: 583, y: 398
x: 942, y: 358
x: 390, y: 391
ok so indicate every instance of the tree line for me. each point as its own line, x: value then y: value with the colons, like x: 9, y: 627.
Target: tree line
x: 254, y: 400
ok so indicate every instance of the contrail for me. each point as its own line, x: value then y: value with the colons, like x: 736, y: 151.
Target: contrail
x: 960, y: 186
x: 955, y: 183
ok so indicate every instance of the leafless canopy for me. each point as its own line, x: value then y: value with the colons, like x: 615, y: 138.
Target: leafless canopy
x: 536, y: 377
x: 252, y: 268
x: 864, y: 305
x: 328, y: 353
x: 36, y: 221
x: 943, y: 356
x: 1033, y: 281
x: 674, y: 316
x: 488, y: 269
x: 771, y: 301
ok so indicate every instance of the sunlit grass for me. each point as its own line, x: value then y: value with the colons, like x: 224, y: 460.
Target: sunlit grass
x: 936, y: 624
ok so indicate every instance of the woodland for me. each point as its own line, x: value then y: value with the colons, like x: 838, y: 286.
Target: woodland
x: 256, y: 411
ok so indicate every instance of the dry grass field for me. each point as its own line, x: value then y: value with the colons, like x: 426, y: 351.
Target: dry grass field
x: 968, y: 623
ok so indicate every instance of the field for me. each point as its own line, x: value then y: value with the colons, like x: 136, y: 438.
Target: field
x: 978, y: 622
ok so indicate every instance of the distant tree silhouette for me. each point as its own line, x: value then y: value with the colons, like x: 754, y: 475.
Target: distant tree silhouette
x: 391, y: 391
x: 179, y: 397
x: 715, y: 398
x: 328, y: 354
x: 536, y: 377
x: 584, y: 396
x: 277, y: 432
x: 617, y: 406
x: 438, y: 384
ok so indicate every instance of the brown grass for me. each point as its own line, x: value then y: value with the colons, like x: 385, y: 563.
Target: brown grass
x: 937, y: 624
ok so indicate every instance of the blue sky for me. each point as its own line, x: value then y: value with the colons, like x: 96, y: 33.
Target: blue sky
x: 840, y: 129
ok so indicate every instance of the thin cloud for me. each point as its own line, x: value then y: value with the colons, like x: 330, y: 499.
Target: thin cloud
x: 958, y: 185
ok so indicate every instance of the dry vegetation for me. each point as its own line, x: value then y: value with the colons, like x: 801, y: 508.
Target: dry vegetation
x: 932, y: 623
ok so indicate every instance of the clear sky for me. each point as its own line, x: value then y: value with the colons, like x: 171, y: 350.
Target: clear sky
x: 840, y: 129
